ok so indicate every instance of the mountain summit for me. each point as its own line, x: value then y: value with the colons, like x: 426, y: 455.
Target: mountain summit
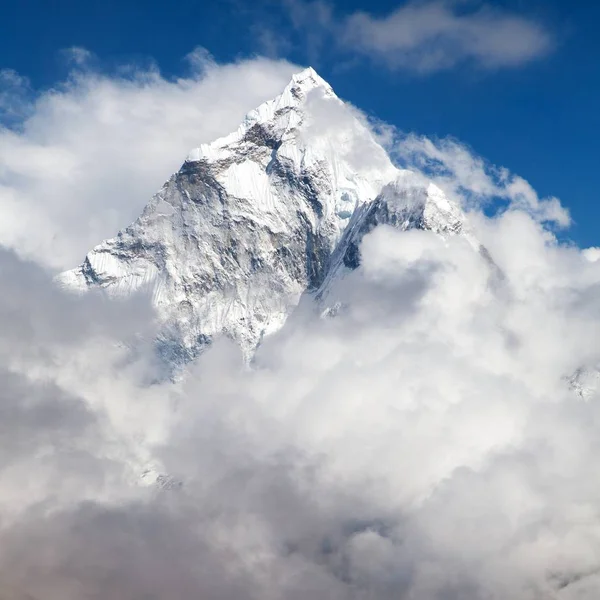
x: 257, y: 218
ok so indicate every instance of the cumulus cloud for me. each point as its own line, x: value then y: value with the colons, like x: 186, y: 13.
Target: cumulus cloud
x: 469, y: 179
x: 426, y: 443
x: 80, y: 160
x: 425, y: 35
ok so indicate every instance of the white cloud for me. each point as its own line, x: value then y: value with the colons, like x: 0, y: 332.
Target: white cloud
x: 90, y: 152
x: 470, y: 180
x: 76, y: 55
x: 425, y: 35
x: 439, y: 34
x: 423, y: 442
x: 13, y: 96
x: 592, y: 254
x: 425, y: 445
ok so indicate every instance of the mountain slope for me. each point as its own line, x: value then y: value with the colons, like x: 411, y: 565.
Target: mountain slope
x: 408, y: 202
x: 255, y: 219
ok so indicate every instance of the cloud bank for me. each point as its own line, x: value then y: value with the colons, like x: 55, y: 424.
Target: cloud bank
x: 430, y: 442
x: 425, y: 443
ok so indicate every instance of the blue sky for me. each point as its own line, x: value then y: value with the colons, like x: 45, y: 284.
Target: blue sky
x: 534, y: 112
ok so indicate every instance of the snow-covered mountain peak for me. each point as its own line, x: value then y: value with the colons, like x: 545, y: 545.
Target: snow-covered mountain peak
x: 278, y: 116
x: 306, y: 129
x: 302, y: 84
x: 256, y: 219
x: 308, y: 79
x: 293, y: 97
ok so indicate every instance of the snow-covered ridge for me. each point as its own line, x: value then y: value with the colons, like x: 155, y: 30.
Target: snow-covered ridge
x: 282, y: 113
x: 255, y: 219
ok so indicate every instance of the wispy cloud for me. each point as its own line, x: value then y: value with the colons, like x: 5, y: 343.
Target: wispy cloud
x: 471, y: 180
x: 426, y: 35
x: 14, y: 92
x: 429, y: 36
